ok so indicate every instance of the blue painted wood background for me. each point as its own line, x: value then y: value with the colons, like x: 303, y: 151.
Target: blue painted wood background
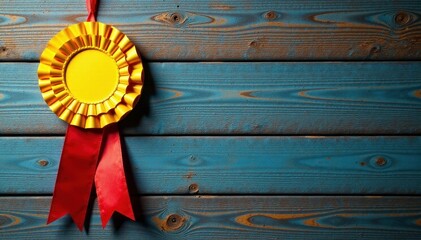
x: 259, y: 120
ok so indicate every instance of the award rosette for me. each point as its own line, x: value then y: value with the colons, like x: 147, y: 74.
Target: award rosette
x: 91, y: 76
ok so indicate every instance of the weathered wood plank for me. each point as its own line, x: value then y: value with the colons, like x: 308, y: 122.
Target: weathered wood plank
x: 228, y: 30
x: 234, y: 165
x: 246, y: 217
x: 243, y: 98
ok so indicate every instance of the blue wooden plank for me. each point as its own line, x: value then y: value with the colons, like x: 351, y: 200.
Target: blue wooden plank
x: 243, y: 98
x: 228, y: 30
x: 234, y: 165
x: 241, y: 217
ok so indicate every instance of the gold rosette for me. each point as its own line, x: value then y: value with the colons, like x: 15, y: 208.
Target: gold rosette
x: 90, y: 75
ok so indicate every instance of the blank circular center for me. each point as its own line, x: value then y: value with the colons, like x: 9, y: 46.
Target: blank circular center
x: 91, y: 76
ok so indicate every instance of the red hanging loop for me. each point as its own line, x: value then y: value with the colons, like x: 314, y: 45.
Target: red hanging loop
x: 91, y: 6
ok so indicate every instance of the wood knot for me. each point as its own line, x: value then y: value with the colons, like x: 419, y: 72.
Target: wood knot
x: 381, y: 161
x: 189, y: 175
x: 402, y: 18
x: 254, y: 44
x: 6, y: 220
x: 271, y: 15
x: 43, y: 163
x: 375, y: 49
x: 3, y: 50
x: 193, y: 188
x: 417, y: 93
x: 174, y: 222
x: 175, y: 18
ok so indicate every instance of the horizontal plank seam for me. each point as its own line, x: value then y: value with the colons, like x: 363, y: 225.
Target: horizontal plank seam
x: 229, y: 135
x: 257, y: 61
x: 239, y: 194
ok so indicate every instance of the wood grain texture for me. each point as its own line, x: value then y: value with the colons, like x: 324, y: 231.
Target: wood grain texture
x: 243, y: 98
x: 228, y: 30
x: 234, y: 165
x: 246, y: 217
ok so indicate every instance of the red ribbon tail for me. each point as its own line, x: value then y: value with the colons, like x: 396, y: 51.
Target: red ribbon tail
x: 75, y: 174
x: 60, y: 211
x: 110, y: 179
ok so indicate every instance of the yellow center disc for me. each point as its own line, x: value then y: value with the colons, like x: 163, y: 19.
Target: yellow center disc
x: 91, y: 76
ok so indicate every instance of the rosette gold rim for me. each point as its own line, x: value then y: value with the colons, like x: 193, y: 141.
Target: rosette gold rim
x: 55, y: 59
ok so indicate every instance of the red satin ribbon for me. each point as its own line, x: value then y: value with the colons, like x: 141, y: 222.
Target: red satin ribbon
x: 110, y: 180
x: 78, y: 169
x: 91, y: 6
x: 75, y: 175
